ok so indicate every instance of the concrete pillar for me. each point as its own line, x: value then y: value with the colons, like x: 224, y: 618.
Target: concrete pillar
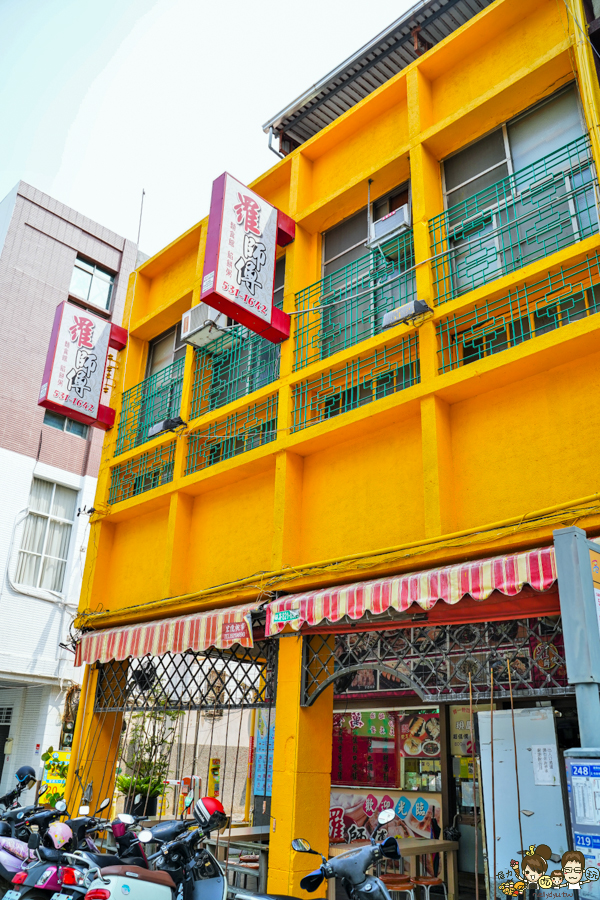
x: 301, y: 774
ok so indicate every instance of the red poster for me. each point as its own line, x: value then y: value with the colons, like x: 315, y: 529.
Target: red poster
x: 364, y: 749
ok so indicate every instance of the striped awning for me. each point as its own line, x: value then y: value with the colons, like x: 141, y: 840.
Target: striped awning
x: 221, y: 628
x: 506, y: 574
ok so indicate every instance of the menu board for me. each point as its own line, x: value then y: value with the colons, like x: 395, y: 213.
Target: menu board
x: 419, y: 735
x: 364, y: 749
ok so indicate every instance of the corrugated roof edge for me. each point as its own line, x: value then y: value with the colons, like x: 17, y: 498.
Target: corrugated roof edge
x: 319, y: 86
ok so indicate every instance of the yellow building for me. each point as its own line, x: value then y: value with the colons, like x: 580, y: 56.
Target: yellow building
x: 354, y: 452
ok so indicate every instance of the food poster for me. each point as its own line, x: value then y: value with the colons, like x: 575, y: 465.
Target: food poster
x: 353, y: 815
x: 364, y: 749
x: 419, y: 735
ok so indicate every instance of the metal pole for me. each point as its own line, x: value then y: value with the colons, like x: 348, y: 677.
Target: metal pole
x: 474, y: 791
x: 251, y: 752
x: 512, y: 711
x: 588, y: 713
x: 493, y: 787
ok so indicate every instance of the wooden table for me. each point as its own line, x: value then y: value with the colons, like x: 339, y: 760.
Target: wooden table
x: 246, y: 833
x: 417, y: 847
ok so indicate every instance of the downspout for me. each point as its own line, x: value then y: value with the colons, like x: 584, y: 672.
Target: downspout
x: 271, y: 147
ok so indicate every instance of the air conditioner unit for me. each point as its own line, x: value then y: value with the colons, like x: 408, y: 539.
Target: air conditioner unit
x: 390, y: 226
x: 201, y: 325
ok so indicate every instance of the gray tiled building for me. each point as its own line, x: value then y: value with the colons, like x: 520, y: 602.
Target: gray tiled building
x: 48, y: 464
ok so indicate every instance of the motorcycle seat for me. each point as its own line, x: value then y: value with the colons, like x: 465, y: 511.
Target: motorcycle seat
x: 49, y: 854
x: 140, y: 874
x: 102, y: 859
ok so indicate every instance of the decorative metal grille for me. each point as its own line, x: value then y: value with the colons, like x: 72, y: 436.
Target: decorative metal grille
x: 5, y: 715
x: 235, y: 364
x: 527, y: 311
x: 434, y: 662
x: 348, y: 305
x: 527, y: 216
x: 152, y: 400
x: 383, y: 372
x: 143, y: 473
x: 242, y: 431
x: 214, y: 680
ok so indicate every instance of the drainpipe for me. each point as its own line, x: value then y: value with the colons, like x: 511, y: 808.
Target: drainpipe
x: 271, y: 147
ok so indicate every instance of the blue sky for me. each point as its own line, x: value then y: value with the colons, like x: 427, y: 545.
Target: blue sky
x: 101, y: 98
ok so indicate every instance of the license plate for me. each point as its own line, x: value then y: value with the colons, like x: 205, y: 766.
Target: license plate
x: 61, y: 897
x: 12, y: 895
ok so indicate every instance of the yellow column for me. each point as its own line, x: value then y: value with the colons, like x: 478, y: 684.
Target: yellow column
x: 301, y: 774
x: 436, y: 438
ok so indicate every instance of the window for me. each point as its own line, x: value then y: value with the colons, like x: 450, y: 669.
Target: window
x: 164, y: 350
x: 91, y: 284
x: 46, y: 536
x: 518, y: 194
x: 55, y: 420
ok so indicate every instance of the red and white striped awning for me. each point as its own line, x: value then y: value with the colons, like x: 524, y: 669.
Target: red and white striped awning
x: 219, y: 628
x: 506, y: 574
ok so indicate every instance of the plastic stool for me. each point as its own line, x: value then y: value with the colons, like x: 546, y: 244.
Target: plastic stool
x: 400, y: 885
x: 427, y: 882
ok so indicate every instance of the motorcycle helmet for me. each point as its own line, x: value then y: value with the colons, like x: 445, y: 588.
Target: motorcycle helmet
x: 58, y: 835
x: 210, y: 814
x: 25, y: 775
x: 4, y: 829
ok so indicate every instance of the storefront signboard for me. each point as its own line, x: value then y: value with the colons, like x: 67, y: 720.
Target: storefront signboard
x: 364, y: 748
x: 239, y: 263
x: 76, y: 361
x: 265, y: 744
x: 460, y: 728
x: 353, y: 816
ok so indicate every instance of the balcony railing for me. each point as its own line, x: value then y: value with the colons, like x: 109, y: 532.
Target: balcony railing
x: 526, y: 216
x: 152, y: 400
x: 235, y: 364
x: 383, y: 372
x: 348, y: 305
x: 240, y: 432
x: 151, y: 469
x: 527, y: 311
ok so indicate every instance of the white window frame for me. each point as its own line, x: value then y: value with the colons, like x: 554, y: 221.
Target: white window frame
x: 96, y: 268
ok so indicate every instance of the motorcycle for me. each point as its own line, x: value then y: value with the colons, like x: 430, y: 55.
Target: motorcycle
x: 184, y: 870
x: 352, y: 866
x: 14, y: 833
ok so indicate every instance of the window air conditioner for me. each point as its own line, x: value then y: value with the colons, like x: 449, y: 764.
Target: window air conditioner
x: 390, y: 226
x: 201, y: 325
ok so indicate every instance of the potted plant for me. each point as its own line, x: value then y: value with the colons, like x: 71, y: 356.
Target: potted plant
x: 141, y: 779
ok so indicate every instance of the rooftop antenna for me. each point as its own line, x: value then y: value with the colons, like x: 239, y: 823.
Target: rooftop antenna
x: 140, y: 224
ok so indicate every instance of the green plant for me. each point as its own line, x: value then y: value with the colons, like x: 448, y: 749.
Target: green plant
x: 147, y: 752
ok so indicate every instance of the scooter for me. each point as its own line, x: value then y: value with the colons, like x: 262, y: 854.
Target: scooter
x: 184, y: 870
x: 13, y: 849
x: 350, y: 867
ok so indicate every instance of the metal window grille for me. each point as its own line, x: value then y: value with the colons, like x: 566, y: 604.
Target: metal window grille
x: 348, y: 305
x: 213, y: 680
x: 526, y: 216
x: 384, y: 371
x: 152, y: 400
x: 241, y: 431
x: 435, y: 662
x: 151, y: 469
x: 5, y: 715
x: 527, y: 311
x: 232, y: 366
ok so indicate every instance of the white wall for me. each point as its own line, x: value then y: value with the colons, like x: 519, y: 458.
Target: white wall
x: 36, y: 719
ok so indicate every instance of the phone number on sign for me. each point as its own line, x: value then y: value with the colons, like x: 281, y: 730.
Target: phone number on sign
x: 245, y: 298
x: 83, y: 404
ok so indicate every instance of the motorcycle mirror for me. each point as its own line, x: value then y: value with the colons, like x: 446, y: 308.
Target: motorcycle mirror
x: 104, y: 804
x: 189, y: 800
x: 137, y: 799
x: 34, y: 841
x: 60, y: 806
x: 390, y: 848
x: 385, y: 816
x: 126, y: 819
x: 301, y: 845
x: 42, y: 790
x: 145, y: 836
x: 84, y: 810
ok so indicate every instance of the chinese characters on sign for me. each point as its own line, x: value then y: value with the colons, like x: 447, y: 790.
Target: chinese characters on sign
x: 75, y: 365
x: 545, y: 769
x: 239, y: 266
x: 363, y: 748
x: 265, y: 745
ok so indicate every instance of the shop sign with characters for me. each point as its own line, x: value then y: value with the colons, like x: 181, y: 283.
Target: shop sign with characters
x: 76, y: 363
x: 241, y: 249
x: 353, y: 816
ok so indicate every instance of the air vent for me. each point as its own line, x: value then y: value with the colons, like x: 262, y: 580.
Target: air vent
x: 201, y: 325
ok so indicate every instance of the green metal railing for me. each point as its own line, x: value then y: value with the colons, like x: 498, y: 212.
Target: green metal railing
x: 526, y: 216
x: 235, y: 364
x: 152, y: 400
x: 527, y: 311
x: 383, y: 372
x: 348, y: 305
x: 143, y: 473
x: 241, y: 431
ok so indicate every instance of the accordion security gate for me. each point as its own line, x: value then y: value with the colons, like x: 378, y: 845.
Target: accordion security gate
x: 160, y: 719
x: 435, y: 661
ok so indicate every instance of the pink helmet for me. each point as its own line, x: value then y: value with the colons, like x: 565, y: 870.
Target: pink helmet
x: 59, y: 834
